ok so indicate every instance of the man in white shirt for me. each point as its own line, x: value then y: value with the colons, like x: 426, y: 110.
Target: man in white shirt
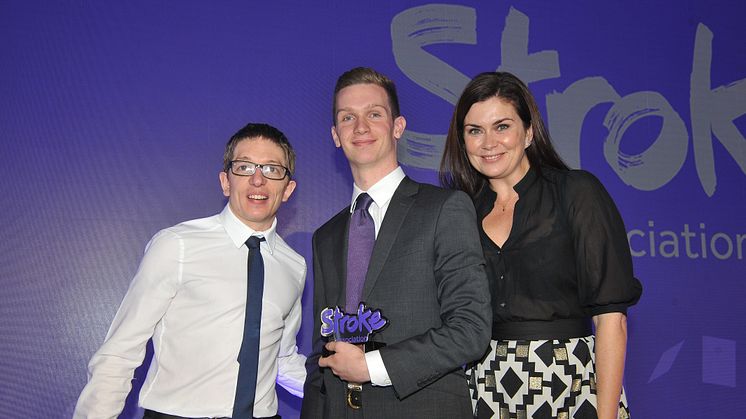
x: 426, y: 276
x: 189, y: 295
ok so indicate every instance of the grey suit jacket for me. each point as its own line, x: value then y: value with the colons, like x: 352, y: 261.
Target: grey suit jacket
x: 427, y: 277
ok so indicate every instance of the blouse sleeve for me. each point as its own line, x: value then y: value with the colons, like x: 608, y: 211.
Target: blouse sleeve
x: 603, y: 261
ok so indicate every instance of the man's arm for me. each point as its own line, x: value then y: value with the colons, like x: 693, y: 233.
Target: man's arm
x: 291, y: 370
x: 464, y: 302
x: 111, y: 368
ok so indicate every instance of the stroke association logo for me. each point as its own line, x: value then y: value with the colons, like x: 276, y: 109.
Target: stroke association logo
x: 713, y: 109
x: 351, y: 328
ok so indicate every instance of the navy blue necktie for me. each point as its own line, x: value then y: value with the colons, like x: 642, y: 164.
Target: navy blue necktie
x: 360, y: 241
x: 248, y: 356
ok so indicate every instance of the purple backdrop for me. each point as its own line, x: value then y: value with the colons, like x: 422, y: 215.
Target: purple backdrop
x: 114, y: 115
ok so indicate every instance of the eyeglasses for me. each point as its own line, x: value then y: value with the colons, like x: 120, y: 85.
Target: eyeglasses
x: 270, y: 171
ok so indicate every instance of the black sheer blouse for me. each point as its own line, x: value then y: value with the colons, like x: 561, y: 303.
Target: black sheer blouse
x: 567, y: 255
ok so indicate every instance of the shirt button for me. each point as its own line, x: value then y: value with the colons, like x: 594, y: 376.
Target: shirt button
x: 499, y: 252
x: 502, y: 304
x: 502, y: 276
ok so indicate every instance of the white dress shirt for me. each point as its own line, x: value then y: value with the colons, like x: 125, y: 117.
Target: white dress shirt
x: 381, y: 192
x: 189, y: 295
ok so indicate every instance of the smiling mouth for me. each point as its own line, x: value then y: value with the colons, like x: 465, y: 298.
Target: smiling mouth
x: 363, y: 141
x: 492, y: 157
x: 258, y: 197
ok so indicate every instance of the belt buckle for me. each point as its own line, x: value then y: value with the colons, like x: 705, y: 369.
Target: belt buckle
x: 354, y: 396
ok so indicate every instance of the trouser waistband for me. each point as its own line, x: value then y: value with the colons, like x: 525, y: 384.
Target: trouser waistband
x: 152, y: 414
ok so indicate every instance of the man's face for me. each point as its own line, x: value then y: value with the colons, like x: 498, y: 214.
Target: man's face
x: 365, y: 128
x: 256, y: 199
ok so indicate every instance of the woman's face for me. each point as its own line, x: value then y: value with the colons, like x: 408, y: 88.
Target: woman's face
x: 496, y: 140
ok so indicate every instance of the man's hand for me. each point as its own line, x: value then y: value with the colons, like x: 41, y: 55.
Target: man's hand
x: 347, y: 362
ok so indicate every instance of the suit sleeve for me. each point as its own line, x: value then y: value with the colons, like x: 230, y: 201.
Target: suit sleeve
x: 464, y: 304
x: 313, y: 399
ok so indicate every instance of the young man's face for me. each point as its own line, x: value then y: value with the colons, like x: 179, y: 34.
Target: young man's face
x: 365, y: 128
x: 256, y: 199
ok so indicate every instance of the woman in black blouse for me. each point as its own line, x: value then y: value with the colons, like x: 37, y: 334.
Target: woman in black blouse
x: 557, y: 259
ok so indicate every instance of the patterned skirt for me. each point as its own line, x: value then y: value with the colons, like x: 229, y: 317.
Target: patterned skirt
x: 522, y: 379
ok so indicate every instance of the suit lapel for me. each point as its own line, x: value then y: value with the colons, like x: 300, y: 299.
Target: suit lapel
x: 335, y: 249
x: 400, y: 204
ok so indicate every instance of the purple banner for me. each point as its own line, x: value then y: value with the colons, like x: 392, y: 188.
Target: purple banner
x: 114, y: 116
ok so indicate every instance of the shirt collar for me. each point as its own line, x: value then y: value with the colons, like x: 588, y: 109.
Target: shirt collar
x: 524, y: 184
x: 484, y: 200
x: 382, y: 191
x: 240, y: 232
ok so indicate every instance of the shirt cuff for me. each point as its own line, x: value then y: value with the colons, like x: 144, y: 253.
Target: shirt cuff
x: 377, y: 371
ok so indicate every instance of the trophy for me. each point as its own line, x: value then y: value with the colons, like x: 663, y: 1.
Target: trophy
x: 351, y: 328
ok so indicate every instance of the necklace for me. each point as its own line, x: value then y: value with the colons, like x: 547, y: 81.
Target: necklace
x: 505, y: 205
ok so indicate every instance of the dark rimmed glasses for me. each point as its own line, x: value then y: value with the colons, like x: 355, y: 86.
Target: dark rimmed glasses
x: 269, y: 171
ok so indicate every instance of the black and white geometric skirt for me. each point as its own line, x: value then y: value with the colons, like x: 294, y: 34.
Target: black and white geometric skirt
x: 524, y: 379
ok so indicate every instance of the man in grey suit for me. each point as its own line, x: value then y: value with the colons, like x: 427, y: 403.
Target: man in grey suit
x: 426, y: 276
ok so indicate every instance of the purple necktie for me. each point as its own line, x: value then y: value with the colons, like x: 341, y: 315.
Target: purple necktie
x: 360, y: 241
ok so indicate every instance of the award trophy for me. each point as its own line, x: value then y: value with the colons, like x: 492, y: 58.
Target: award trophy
x: 355, y: 329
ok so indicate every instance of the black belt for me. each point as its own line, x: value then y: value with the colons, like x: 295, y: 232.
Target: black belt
x: 355, y: 391
x: 541, y: 330
x: 152, y: 414
x: 354, y: 396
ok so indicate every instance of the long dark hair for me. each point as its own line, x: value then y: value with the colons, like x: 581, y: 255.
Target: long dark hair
x: 455, y: 170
